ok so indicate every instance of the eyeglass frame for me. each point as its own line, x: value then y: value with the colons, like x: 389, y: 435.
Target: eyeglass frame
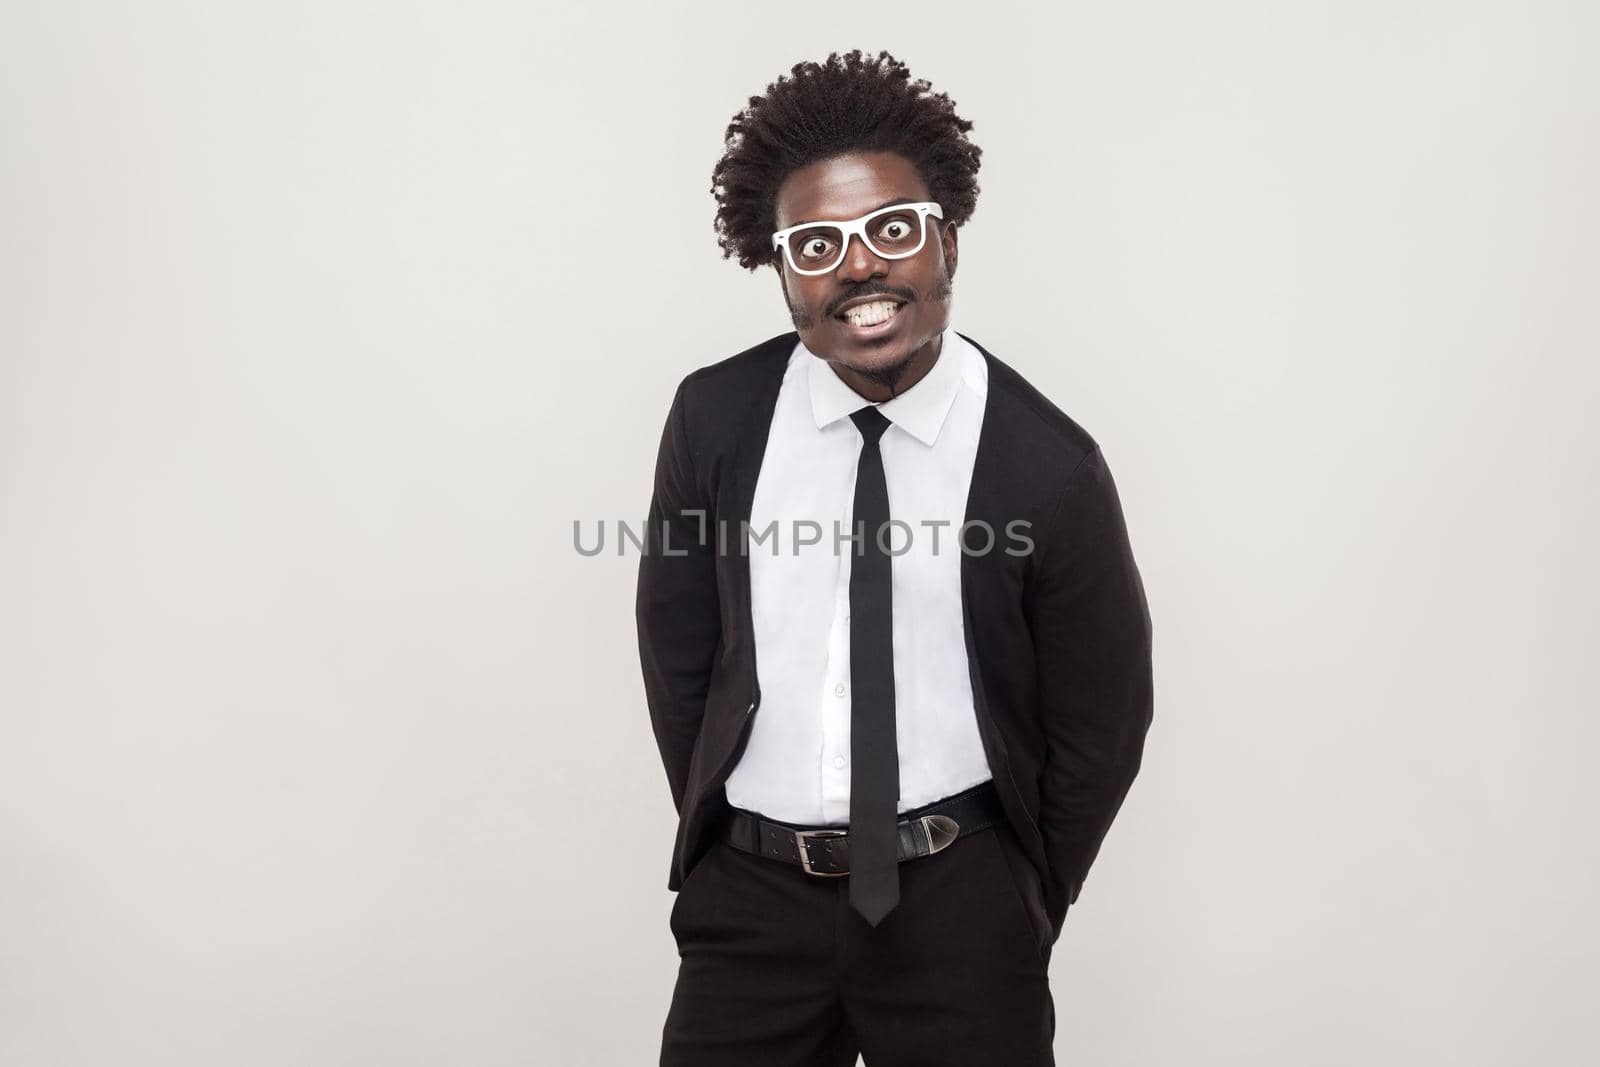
x: 858, y: 228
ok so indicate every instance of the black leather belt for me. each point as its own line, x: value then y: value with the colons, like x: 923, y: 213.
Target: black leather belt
x: 825, y: 851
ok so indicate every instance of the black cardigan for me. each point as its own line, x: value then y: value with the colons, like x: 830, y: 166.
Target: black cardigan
x: 1058, y: 640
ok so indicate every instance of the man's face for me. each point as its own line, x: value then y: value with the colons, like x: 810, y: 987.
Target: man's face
x: 878, y: 359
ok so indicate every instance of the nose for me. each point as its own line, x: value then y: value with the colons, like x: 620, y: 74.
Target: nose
x: 860, y: 262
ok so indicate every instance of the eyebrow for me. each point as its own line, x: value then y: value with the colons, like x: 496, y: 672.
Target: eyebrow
x: 880, y: 207
x: 892, y: 203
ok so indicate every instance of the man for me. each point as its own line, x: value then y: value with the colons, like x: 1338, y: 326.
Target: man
x: 895, y: 646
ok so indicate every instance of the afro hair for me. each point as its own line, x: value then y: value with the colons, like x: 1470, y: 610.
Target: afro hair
x: 847, y: 103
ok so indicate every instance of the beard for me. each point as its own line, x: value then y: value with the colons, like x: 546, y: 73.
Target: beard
x: 889, y: 377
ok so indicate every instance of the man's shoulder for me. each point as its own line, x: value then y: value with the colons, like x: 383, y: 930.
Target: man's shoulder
x: 1032, y: 421
x: 740, y: 377
x: 717, y: 404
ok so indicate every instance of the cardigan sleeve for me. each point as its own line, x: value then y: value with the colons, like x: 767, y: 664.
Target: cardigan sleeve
x: 676, y: 604
x: 1092, y: 640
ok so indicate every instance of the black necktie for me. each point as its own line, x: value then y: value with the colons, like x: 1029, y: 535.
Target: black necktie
x: 874, y: 755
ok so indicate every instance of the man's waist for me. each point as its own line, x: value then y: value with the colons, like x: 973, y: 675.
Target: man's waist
x: 825, y: 850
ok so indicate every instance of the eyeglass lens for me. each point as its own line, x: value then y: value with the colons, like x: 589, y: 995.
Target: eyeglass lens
x: 820, y: 246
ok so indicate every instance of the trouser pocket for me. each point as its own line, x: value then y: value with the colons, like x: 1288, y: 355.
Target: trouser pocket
x: 1028, y: 888
x: 683, y: 907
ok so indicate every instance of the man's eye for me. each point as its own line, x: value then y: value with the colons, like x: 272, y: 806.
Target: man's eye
x: 815, y: 247
x: 890, y: 232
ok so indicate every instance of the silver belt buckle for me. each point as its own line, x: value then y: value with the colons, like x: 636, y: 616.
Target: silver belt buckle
x: 941, y: 830
x: 800, y: 837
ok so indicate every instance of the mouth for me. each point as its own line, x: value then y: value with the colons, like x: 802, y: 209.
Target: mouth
x: 871, y: 319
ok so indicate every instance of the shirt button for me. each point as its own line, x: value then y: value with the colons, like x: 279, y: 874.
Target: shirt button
x: 838, y: 761
x: 838, y: 690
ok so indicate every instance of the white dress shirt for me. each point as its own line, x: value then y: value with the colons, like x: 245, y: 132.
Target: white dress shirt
x: 796, y: 764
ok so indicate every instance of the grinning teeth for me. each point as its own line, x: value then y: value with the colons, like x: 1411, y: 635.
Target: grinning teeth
x: 871, y: 314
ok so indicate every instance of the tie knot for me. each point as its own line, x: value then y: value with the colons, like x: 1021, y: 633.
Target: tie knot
x: 871, y: 422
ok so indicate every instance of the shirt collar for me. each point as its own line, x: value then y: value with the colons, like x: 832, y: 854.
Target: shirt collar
x: 920, y: 410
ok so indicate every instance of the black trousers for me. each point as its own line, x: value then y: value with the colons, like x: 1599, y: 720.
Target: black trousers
x: 777, y: 970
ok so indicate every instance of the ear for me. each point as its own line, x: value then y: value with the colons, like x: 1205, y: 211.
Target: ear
x: 948, y: 237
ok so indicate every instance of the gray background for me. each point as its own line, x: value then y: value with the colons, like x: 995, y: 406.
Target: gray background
x: 320, y: 744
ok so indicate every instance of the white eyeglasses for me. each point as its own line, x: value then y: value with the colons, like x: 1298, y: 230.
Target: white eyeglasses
x: 893, y: 232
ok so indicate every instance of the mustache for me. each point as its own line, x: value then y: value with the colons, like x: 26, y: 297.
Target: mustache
x: 843, y: 300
